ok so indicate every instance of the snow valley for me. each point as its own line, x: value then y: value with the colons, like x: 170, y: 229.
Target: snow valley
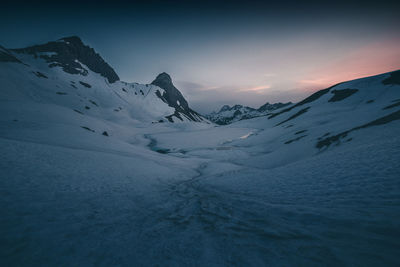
x: 97, y: 171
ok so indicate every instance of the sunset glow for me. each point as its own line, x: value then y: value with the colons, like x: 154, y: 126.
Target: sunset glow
x: 199, y: 133
x: 219, y: 53
x: 371, y: 59
x: 257, y: 88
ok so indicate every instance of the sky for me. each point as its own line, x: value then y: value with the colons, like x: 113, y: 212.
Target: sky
x: 222, y: 52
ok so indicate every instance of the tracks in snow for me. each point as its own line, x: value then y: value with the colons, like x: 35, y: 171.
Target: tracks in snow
x: 195, y: 214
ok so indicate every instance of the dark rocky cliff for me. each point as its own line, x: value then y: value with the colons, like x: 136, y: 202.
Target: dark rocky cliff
x: 69, y: 53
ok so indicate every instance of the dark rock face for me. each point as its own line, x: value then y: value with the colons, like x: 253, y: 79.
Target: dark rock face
x: 68, y: 53
x: 40, y: 75
x: 225, y: 108
x: 270, y: 107
x: 295, y: 139
x: 300, y: 112
x: 237, y: 113
x: 393, y: 79
x: 236, y: 107
x: 6, y: 56
x: 309, y: 99
x: 396, y: 104
x: 336, y: 138
x: 339, y: 95
x: 85, y: 84
x: 173, y: 97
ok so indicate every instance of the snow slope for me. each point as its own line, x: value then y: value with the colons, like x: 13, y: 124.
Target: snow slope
x: 53, y: 73
x: 315, y: 183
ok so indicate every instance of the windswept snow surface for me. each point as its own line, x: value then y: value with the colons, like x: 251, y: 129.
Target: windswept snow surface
x: 317, y: 184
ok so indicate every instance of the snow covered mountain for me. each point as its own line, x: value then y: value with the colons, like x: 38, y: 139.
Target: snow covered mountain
x: 336, y: 116
x: 340, y: 113
x: 69, y: 74
x: 227, y: 114
x: 89, y: 177
x: 174, y: 99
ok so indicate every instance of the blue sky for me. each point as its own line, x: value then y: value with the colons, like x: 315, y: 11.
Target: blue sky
x: 246, y: 52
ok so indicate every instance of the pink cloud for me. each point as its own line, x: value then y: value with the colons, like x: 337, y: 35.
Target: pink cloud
x: 371, y: 59
x: 257, y: 88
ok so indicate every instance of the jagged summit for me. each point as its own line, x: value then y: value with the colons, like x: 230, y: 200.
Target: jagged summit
x: 163, y: 78
x: 225, y: 108
x: 174, y: 98
x: 228, y: 114
x: 172, y: 94
x: 72, y: 39
x: 70, y: 53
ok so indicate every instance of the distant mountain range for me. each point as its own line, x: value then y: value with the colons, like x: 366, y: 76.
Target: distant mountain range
x: 228, y: 114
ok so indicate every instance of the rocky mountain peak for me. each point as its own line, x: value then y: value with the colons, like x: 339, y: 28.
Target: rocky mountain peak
x: 73, y: 56
x: 228, y: 114
x: 173, y: 97
x: 225, y: 108
x: 163, y: 78
x: 73, y: 40
x: 235, y: 107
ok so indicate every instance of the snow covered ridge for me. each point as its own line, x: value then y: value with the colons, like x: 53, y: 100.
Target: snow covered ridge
x: 358, y: 103
x: 227, y: 114
x: 338, y: 114
x: 79, y: 77
x: 6, y: 56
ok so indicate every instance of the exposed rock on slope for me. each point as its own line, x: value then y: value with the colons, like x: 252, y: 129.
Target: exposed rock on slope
x: 6, y: 56
x: 174, y: 98
x: 70, y: 53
